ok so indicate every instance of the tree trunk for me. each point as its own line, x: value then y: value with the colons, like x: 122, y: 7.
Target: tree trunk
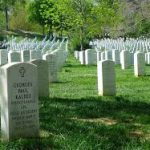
x: 81, y: 45
x: 81, y: 38
x: 43, y: 30
x: 61, y: 26
x: 6, y: 18
x: 50, y: 33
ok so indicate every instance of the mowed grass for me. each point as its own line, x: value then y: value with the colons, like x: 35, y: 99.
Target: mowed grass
x: 74, y: 117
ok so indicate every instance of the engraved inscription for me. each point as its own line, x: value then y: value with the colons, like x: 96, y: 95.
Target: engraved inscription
x: 24, y: 117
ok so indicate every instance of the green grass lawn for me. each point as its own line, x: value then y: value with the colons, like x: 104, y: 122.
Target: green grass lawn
x: 76, y: 118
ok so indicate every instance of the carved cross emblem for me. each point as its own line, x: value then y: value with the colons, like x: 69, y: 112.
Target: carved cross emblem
x: 22, y: 71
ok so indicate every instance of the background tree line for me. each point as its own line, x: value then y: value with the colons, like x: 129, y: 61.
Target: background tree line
x: 79, y: 20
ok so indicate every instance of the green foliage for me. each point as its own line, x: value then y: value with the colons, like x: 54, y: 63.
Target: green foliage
x: 81, y: 20
x: 6, y: 6
x: 2, y: 22
x: 143, y: 28
x: 35, y: 12
x: 19, y: 19
x: 136, y: 18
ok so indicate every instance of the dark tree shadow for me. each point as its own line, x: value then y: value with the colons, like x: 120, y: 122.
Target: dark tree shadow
x: 111, y: 121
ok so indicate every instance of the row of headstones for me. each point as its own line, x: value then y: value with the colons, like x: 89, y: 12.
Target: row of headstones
x: 21, y: 84
x: 18, y: 56
x: 106, y: 74
x: 55, y: 59
x: 120, y: 43
x: 27, y: 43
x: 125, y: 58
x: 44, y: 45
x: 91, y: 56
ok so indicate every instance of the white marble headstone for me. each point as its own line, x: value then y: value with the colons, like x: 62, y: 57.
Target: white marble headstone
x: 76, y: 54
x: 14, y: 57
x: 102, y: 56
x: 116, y: 56
x: 82, y: 57
x: 108, y: 55
x: 19, y: 101
x: 25, y: 55
x: 43, y: 82
x: 35, y: 55
x: 125, y: 59
x: 3, y: 57
x: 139, y: 64
x: 131, y: 58
x: 106, y: 78
x: 98, y: 56
x: 52, y: 66
x: 90, y: 57
x: 148, y: 58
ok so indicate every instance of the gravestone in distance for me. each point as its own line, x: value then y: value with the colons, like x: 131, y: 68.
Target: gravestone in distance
x: 52, y: 66
x: 116, y: 56
x: 108, y: 55
x: 19, y: 101
x: 43, y: 83
x: 98, y: 56
x: 3, y: 57
x: 102, y: 56
x: 76, y: 54
x: 25, y: 55
x: 14, y: 57
x: 139, y: 64
x: 35, y: 55
x: 90, y: 57
x: 131, y: 58
x: 82, y: 57
x: 148, y: 58
x: 125, y: 59
x: 58, y: 58
x: 106, y: 78
x: 62, y: 58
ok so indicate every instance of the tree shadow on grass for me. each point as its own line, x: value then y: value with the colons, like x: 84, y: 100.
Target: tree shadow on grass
x: 89, y: 123
x: 30, y: 144
x: 61, y: 82
x: 97, y: 123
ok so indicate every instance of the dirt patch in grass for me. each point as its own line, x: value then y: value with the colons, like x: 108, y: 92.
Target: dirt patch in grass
x: 106, y: 121
x: 140, y: 134
x: 136, y: 134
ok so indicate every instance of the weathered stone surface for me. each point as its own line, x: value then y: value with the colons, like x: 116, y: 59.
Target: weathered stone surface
x: 19, y: 101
